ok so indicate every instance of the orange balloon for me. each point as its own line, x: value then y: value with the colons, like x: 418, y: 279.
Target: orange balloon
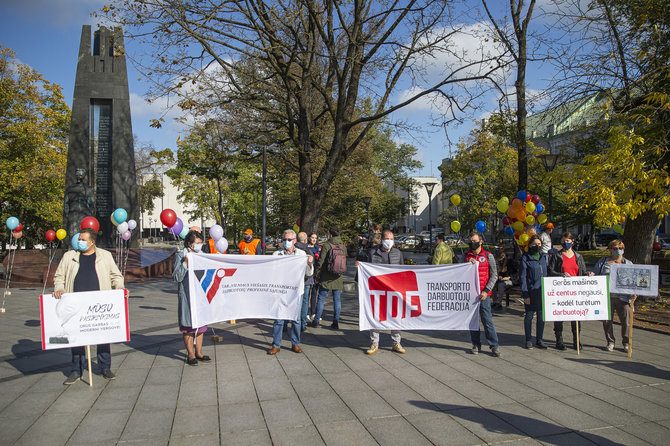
x: 521, y: 214
x: 516, y: 203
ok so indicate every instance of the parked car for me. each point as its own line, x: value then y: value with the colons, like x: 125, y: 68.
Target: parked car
x: 665, y: 242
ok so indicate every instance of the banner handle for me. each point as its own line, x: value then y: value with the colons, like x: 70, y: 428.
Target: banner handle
x: 630, y: 329
x: 577, y: 333
x: 90, y: 374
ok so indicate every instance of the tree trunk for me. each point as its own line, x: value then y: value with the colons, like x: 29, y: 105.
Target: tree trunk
x: 639, y: 237
x: 310, y: 215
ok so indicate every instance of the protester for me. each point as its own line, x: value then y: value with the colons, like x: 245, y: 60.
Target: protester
x: 487, y: 278
x: 192, y: 243
x: 567, y: 263
x: 89, y: 268
x: 622, y: 303
x: 387, y: 254
x: 443, y: 255
x: 288, y: 249
x: 504, y: 277
x: 250, y: 245
x: 531, y: 271
x: 301, y: 244
x: 314, y: 251
x: 333, y: 253
x: 545, y: 236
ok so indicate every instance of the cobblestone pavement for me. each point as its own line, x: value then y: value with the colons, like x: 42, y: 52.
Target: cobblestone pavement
x: 333, y: 393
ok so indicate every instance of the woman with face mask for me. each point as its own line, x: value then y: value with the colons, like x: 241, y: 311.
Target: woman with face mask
x: 531, y: 271
x: 192, y: 243
x: 567, y: 263
x: 622, y: 303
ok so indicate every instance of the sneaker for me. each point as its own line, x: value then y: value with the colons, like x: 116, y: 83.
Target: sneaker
x: 73, y: 378
x: 398, y: 349
x: 574, y: 345
x: 108, y: 374
x: 541, y: 344
x: 372, y: 350
x: 529, y: 345
x: 610, y: 346
x: 476, y: 349
x: 335, y: 325
x: 314, y: 324
x: 625, y: 347
x: 496, y: 351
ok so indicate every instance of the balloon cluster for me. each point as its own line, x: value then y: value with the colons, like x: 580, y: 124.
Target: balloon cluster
x: 220, y: 242
x: 523, y: 216
x: 118, y: 219
x: 15, y: 226
x: 175, y: 225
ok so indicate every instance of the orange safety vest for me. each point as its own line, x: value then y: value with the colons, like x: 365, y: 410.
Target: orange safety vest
x: 212, y: 248
x: 249, y: 248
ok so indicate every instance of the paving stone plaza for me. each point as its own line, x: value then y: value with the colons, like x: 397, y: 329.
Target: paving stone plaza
x: 437, y: 393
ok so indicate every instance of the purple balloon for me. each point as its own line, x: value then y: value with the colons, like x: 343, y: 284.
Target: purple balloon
x: 216, y: 232
x: 221, y: 245
x: 132, y: 224
x: 177, y: 227
x: 126, y: 235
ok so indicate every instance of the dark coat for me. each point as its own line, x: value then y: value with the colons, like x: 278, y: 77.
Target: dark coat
x: 326, y: 279
x: 556, y: 264
x: 395, y: 256
x: 531, y: 272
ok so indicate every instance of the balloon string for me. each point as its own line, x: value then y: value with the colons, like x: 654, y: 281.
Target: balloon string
x: 10, y: 266
x: 52, y: 254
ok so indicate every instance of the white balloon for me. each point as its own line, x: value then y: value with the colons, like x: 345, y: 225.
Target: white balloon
x: 216, y: 232
x: 122, y: 227
x: 221, y: 245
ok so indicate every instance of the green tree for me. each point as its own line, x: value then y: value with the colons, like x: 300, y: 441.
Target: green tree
x: 34, y: 126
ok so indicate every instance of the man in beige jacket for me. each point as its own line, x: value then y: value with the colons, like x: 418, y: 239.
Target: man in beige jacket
x: 88, y: 269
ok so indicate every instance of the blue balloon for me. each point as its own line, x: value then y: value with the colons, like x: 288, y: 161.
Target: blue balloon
x: 521, y: 195
x: 12, y: 223
x: 539, y: 208
x: 509, y: 230
x: 120, y: 215
x: 480, y: 226
x: 75, y: 241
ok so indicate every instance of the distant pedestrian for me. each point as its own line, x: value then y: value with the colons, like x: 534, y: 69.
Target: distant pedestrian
x: 504, y: 276
x: 192, y: 243
x: 250, y: 245
x: 487, y: 279
x: 302, y: 244
x: 329, y: 271
x: 545, y: 236
x: 315, y: 251
x: 531, y: 271
x: 443, y: 255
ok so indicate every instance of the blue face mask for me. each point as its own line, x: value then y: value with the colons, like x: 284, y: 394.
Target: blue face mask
x: 82, y: 245
x: 566, y: 245
x: 197, y: 247
x: 288, y: 244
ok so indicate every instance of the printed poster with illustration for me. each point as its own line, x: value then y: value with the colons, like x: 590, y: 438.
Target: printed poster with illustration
x: 641, y: 280
x: 580, y: 298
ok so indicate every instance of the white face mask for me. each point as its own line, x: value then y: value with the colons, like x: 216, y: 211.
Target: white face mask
x: 387, y: 244
x: 197, y: 247
x: 288, y: 244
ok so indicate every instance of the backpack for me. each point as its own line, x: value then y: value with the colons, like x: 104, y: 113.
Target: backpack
x: 337, y: 261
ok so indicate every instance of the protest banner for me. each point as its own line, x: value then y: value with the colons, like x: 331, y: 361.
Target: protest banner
x: 87, y: 318
x: 224, y: 287
x: 640, y: 280
x: 583, y: 298
x: 404, y: 297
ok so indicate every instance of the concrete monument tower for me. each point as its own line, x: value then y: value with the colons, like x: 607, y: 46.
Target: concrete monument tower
x: 101, y: 136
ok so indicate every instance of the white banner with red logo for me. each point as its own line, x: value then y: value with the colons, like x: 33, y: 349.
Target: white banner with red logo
x: 224, y: 287
x: 86, y: 318
x: 402, y: 297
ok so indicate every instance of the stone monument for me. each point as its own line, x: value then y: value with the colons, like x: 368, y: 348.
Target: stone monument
x: 101, y: 136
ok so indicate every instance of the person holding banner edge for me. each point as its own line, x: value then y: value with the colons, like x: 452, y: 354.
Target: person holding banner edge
x: 88, y: 268
x: 193, y: 242
x: 567, y: 263
x: 488, y: 277
x: 288, y: 249
x: 623, y: 304
x: 532, y: 269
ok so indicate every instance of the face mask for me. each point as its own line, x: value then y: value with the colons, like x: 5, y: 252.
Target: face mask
x: 82, y: 245
x: 617, y: 253
x: 387, y: 244
x: 534, y: 249
x: 247, y: 238
x: 288, y: 244
x: 197, y: 247
x: 566, y: 245
x: 475, y: 245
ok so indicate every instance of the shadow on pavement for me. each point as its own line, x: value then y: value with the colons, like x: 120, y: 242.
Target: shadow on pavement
x: 638, y: 368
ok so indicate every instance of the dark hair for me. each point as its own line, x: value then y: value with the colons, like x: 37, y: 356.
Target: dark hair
x: 440, y: 236
x: 91, y: 233
x: 569, y: 235
x: 534, y: 237
x: 478, y: 234
x: 334, y: 232
x: 190, y: 238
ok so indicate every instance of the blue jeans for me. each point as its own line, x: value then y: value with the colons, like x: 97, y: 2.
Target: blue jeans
x: 528, y: 323
x: 487, y: 320
x: 305, y: 303
x: 336, y: 302
x: 79, y: 361
x: 278, y: 329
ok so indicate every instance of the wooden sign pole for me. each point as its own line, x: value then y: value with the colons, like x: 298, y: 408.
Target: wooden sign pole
x: 90, y: 374
x: 577, y: 334
x: 630, y: 329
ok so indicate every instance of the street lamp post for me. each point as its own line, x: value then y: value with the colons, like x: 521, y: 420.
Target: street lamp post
x: 151, y: 221
x: 549, y: 161
x: 415, y: 207
x: 225, y: 222
x: 429, y: 189
x: 367, y: 200
x: 264, y: 152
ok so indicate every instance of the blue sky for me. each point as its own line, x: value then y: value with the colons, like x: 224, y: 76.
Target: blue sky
x: 45, y: 35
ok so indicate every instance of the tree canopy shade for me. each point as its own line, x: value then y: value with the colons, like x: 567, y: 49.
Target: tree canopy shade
x: 316, y: 75
x: 34, y: 125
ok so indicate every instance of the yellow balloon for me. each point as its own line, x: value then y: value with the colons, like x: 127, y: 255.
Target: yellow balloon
x: 523, y: 238
x: 61, y: 234
x: 530, y: 220
x: 502, y: 206
x: 519, y: 242
x: 456, y: 200
x: 114, y: 222
x: 530, y: 207
x: 455, y: 226
x: 518, y: 226
x: 531, y: 231
x: 542, y: 219
x: 505, y: 200
x: 296, y: 228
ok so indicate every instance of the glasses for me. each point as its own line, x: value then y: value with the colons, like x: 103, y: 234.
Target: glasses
x: 287, y: 239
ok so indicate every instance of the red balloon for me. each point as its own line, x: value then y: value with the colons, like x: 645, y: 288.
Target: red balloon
x: 516, y: 235
x: 536, y: 199
x: 657, y: 246
x: 50, y: 235
x: 528, y: 197
x: 535, y: 214
x: 168, y: 217
x: 91, y: 223
x: 19, y: 228
x: 506, y: 220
